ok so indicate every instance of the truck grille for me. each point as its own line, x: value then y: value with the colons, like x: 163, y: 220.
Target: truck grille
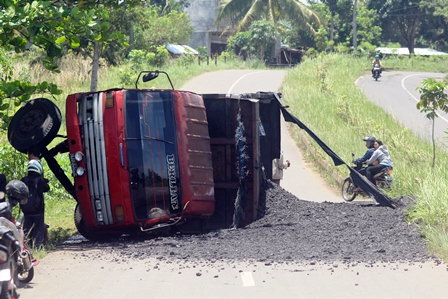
x: 90, y: 114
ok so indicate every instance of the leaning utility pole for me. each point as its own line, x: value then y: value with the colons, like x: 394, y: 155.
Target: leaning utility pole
x: 355, y: 44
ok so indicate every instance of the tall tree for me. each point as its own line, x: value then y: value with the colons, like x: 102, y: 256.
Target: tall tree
x: 333, y: 7
x: 401, y: 20
x: 242, y: 13
x: 57, y: 25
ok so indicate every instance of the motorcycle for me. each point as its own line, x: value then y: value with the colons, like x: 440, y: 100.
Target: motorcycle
x: 376, y: 72
x: 9, y: 254
x: 383, y: 180
x: 17, y: 192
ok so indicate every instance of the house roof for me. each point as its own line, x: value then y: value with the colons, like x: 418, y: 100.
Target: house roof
x: 405, y: 51
x: 181, y: 49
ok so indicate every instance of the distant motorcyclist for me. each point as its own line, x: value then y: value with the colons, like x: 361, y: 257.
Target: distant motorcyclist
x: 369, y: 140
x: 377, y: 61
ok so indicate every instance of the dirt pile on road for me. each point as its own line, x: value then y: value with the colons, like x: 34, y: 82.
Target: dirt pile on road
x: 294, y: 230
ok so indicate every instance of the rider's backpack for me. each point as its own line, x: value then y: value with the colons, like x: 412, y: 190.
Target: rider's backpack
x: 35, y: 202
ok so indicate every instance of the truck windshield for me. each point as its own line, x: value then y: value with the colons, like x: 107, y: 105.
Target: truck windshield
x: 152, y: 155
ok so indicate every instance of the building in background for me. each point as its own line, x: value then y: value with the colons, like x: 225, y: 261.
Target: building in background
x: 203, y: 14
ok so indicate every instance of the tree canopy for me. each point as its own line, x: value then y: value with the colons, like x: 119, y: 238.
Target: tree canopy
x: 242, y: 13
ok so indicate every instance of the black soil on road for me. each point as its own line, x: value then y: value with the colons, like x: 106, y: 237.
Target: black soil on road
x: 292, y: 230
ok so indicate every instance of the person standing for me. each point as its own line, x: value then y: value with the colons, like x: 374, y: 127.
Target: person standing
x: 34, y: 154
x: 278, y: 165
x: 34, y: 209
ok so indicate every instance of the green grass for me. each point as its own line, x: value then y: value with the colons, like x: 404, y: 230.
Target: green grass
x: 321, y: 93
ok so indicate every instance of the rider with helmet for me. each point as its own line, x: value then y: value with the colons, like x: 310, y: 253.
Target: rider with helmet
x: 377, y: 61
x: 17, y: 192
x: 369, y: 140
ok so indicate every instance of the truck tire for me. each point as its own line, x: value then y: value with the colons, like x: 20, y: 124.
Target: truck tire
x: 35, y: 124
x: 91, y: 235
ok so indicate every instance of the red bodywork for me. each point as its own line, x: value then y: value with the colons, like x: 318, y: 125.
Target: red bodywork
x: 194, y: 160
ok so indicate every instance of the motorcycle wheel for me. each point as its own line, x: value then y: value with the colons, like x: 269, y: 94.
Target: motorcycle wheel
x: 348, y: 193
x: 384, y: 184
x: 4, y: 294
x: 26, y: 277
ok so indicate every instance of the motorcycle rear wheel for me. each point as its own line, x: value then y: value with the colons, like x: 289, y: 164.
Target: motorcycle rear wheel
x: 348, y: 193
x: 384, y: 184
x: 26, y: 277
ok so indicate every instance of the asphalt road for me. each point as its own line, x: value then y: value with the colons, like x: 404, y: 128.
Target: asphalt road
x: 76, y: 274
x: 396, y: 93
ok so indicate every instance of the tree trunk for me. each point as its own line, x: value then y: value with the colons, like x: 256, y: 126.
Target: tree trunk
x: 355, y: 43
x: 332, y: 31
x: 131, y: 36
x: 95, y: 66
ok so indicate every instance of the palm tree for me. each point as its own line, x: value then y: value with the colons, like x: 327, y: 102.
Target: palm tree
x: 244, y: 12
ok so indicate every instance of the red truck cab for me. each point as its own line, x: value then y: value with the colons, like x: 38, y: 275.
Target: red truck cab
x: 147, y: 159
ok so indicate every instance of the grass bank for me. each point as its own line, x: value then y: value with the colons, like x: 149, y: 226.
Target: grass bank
x: 321, y: 92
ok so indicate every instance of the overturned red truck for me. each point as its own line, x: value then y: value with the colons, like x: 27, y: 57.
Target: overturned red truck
x: 151, y: 159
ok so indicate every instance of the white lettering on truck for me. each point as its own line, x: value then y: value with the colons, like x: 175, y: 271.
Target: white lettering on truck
x: 170, y: 161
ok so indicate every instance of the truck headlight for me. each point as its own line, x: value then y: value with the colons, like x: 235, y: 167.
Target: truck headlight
x: 99, y: 216
x: 79, y: 156
x: 80, y: 171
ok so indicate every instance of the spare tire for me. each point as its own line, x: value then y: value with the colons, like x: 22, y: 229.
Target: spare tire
x: 35, y: 124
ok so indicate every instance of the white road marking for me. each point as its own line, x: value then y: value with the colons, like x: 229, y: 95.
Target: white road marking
x: 412, y: 96
x: 236, y: 82
x: 247, y: 278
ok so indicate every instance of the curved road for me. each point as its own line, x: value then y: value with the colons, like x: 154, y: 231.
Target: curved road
x: 396, y: 93
x: 73, y: 274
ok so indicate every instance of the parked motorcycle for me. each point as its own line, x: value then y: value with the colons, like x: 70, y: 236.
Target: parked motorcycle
x: 9, y: 254
x: 383, y: 180
x: 17, y: 191
x: 376, y: 72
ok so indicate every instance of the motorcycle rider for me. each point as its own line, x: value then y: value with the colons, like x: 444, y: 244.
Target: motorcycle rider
x: 369, y: 140
x: 377, y: 60
x: 381, y: 154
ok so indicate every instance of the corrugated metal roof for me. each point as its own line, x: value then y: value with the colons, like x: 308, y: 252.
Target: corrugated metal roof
x: 405, y: 51
x: 181, y: 49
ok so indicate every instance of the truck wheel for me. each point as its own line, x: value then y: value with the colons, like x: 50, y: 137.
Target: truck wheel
x: 80, y: 224
x: 35, y: 124
x: 91, y: 236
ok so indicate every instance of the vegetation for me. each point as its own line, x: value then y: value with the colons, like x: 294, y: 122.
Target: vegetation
x: 432, y: 99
